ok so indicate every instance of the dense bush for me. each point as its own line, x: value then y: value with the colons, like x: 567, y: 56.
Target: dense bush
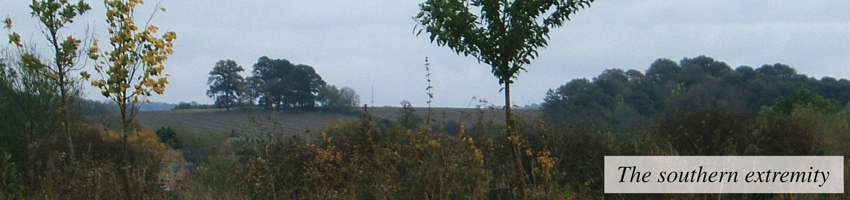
x: 192, y: 105
x: 168, y: 136
x: 366, y: 158
x: 214, y: 179
x: 93, y: 173
x: 201, y: 146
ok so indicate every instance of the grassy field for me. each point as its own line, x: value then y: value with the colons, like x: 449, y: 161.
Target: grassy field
x: 286, y: 123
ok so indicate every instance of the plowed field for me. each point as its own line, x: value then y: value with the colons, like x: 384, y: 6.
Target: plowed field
x: 290, y: 122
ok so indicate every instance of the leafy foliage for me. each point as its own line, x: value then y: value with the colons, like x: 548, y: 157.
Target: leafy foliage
x: 214, y: 179
x: 226, y: 85
x: 198, y: 147
x: 54, y: 16
x: 133, y: 69
x: 191, y: 105
x: 617, y: 101
x: 803, y: 98
x: 30, y: 101
x: 95, y: 107
x: 281, y: 84
x: 167, y: 135
x: 506, y: 36
x: 408, y: 117
x: 331, y: 98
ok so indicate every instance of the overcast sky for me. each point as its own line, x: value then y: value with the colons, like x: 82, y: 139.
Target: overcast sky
x: 364, y: 44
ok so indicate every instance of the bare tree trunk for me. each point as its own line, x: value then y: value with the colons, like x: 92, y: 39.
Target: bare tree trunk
x: 125, y: 175
x: 513, y: 137
x: 65, y: 116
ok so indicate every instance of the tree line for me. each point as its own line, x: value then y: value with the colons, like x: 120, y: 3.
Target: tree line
x: 618, y: 99
x: 276, y: 84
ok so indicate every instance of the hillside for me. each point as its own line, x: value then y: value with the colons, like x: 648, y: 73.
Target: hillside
x: 288, y: 123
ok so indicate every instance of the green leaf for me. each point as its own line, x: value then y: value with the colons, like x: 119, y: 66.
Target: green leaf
x: 85, y: 75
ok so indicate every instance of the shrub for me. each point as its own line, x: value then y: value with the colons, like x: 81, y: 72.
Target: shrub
x: 168, y: 136
x: 198, y: 147
x: 703, y: 130
x: 215, y: 179
x: 94, y: 172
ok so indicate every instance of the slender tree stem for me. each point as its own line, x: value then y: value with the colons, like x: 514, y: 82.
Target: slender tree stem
x: 61, y: 73
x: 125, y: 175
x: 513, y: 137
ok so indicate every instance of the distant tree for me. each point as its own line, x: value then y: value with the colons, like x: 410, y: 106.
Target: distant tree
x: 302, y: 87
x: 335, y: 99
x: 94, y: 107
x: 226, y: 85
x: 408, y: 116
x: 192, y: 105
x: 281, y: 84
x: 328, y: 96
x: 706, y: 64
x: 832, y: 88
x: 506, y: 36
x: 635, y: 76
x: 663, y: 70
x: 746, y: 71
x: 265, y: 78
x: 614, y: 101
x: 579, y: 99
x: 781, y: 71
x: 703, y: 82
x: 806, y: 98
x: 613, y: 81
x: 252, y: 91
x: 351, y: 99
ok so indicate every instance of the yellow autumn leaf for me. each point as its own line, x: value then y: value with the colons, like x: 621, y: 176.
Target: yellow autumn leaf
x: 147, y: 59
x: 149, y: 83
x: 159, y: 90
x: 72, y: 40
x: 7, y: 23
x: 15, y: 39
